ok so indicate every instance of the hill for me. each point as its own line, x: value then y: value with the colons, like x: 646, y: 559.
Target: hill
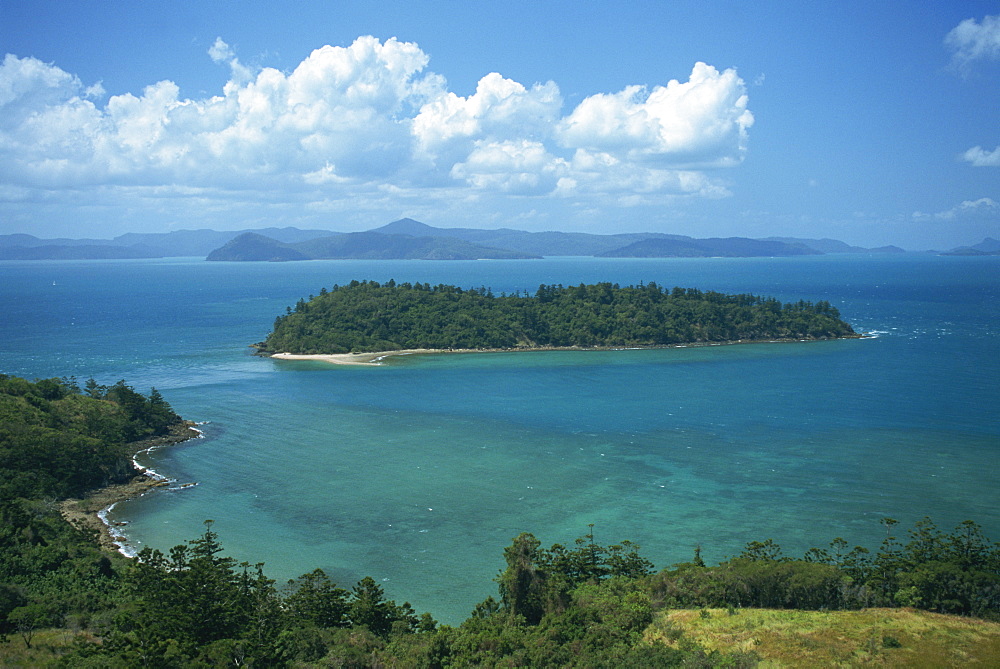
x: 358, y: 245
x: 731, y: 247
x: 625, y: 245
x: 407, y: 238
x: 251, y: 246
x: 833, y: 245
x: 77, y: 252
x: 179, y: 243
x: 377, y: 245
x: 987, y: 247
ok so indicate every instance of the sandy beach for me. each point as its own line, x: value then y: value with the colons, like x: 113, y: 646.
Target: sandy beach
x: 354, y: 358
x: 374, y: 358
x: 87, y: 513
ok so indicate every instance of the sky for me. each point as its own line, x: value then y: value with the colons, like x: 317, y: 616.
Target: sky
x: 870, y: 122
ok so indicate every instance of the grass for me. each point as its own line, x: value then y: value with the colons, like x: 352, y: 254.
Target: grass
x: 47, y: 646
x: 870, y: 638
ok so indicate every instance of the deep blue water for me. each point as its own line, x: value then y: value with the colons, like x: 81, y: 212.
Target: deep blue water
x: 420, y: 471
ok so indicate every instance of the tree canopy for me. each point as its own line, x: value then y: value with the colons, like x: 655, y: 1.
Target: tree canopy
x: 368, y: 316
x: 59, y: 440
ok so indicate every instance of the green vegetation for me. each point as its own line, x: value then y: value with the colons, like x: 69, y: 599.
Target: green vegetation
x: 65, y: 602
x: 956, y: 573
x: 57, y: 440
x: 368, y: 316
x: 876, y: 637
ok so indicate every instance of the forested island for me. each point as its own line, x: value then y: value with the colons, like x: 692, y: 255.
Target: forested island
x: 366, y: 316
x: 67, y: 602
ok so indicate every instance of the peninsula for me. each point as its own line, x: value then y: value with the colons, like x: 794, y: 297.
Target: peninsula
x: 363, y: 320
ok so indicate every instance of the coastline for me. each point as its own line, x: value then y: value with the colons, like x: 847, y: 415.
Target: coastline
x: 375, y: 358
x: 368, y: 358
x: 90, y: 512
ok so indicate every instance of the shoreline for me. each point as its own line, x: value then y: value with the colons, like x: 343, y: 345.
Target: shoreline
x: 375, y: 358
x: 90, y: 512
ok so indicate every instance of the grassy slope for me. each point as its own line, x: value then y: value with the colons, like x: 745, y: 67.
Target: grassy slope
x: 840, y: 638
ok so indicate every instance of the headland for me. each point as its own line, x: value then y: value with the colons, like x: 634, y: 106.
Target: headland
x: 90, y: 512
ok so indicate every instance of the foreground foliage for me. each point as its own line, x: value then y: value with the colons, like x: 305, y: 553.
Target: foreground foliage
x: 58, y: 440
x: 876, y: 637
x: 64, y: 602
x: 368, y: 316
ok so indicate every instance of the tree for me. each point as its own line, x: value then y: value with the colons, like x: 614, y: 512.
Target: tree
x: 314, y: 599
x: 369, y: 608
x: 27, y: 620
x: 522, y: 583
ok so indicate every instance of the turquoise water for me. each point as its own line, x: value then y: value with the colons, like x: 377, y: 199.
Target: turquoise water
x: 420, y: 471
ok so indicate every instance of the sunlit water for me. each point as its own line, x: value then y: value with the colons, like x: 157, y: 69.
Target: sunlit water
x: 420, y: 471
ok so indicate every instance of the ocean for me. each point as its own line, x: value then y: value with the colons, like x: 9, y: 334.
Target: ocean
x: 420, y: 471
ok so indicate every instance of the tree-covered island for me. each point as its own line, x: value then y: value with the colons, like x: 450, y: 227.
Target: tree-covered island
x: 366, y: 316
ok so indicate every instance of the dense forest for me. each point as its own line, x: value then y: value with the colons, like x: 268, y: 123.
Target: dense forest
x: 581, y: 605
x: 369, y: 316
x: 58, y: 440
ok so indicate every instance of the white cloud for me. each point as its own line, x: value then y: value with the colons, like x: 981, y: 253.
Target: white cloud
x: 367, y: 123
x: 980, y: 157
x: 972, y: 41
x: 449, y: 128
x: 702, y: 122
x: 220, y: 52
x: 984, y: 206
x: 521, y: 167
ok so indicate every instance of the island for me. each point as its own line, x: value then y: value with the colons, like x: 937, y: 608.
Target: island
x: 351, y: 323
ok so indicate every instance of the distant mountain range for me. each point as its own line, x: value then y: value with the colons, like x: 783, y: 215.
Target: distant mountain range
x: 987, y: 247
x: 409, y: 239
x: 359, y: 245
x: 180, y: 243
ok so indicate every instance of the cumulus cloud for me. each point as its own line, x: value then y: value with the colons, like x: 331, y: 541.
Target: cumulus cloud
x: 369, y: 120
x: 971, y: 40
x: 701, y: 122
x: 220, y: 52
x: 449, y: 126
x: 522, y: 167
x: 980, y: 157
x: 984, y: 206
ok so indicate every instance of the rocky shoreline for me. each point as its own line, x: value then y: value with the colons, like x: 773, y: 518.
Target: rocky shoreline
x: 87, y: 514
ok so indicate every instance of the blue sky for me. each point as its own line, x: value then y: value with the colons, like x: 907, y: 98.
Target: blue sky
x: 874, y: 123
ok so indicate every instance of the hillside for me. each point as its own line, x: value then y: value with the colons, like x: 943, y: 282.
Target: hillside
x: 877, y: 637
x: 253, y: 247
